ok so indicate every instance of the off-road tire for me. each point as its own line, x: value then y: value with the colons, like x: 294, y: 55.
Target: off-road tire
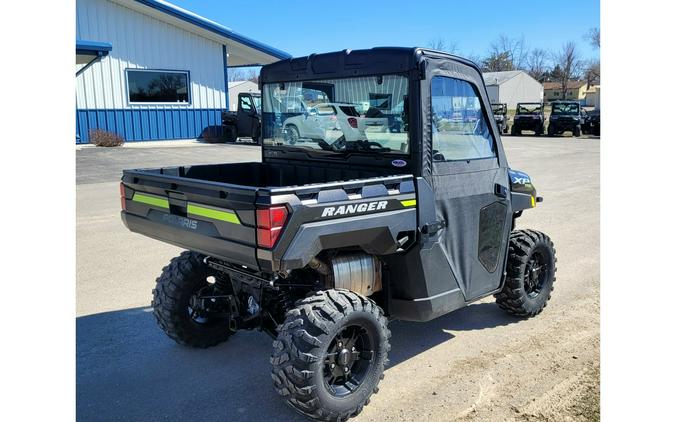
x: 179, y: 280
x: 230, y: 133
x: 292, y: 140
x: 301, y: 347
x: 514, y: 298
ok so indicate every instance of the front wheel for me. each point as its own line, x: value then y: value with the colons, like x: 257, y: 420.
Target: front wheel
x: 577, y: 131
x: 530, y: 273
x: 178, y: 304
x: 330, y: 353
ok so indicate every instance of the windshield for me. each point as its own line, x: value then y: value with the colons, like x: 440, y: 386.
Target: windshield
x: 256, y: 101
x: 363, y: 114
x: 565, y: 108
x: 528, y: 108
x: 498, y: 108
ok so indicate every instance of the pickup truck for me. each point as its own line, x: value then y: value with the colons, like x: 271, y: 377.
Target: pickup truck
x: 320, y: 244
x: 245, y: 122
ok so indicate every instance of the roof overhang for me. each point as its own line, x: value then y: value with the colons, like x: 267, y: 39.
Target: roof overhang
x: 87, y: 52
x: 92, y: 48
x: 241, y: 50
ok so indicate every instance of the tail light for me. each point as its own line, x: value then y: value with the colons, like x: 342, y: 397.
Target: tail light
x: 123, y: 197
x: 353, y: 122
x: 270, y: 222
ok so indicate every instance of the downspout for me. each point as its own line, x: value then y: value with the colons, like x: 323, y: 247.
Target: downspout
x: 227, y: 90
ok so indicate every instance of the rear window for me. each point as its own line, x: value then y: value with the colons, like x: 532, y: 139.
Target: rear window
x: 528, y: 108
x: 565, y: 108
x: 459, y: 127
x: 350, y: 111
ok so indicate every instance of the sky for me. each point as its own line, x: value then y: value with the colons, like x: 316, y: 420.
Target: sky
x: 304, y: 27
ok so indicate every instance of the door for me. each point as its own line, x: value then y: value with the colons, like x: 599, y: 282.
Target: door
x: 246, y: 115
x: 470, y: 186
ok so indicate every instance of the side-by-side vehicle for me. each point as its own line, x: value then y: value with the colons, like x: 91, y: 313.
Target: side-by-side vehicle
x: 406, y: 212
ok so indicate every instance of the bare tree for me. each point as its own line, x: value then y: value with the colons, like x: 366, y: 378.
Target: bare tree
x: 592, y: 72
x: 510, y: 49
x: 497, y: 62
x: 537, y: 63
x: 440, y: 44
x: 252, y: 75
x: 235, y: 75
x: 593, y: 37
x: 570, y: 65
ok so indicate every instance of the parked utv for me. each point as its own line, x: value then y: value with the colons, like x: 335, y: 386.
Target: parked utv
x: 499, y: 111
x: 590, y: 122
x: 245, y: 122
x: 529, y: 116
x: 565, y: 115
x: 320, y: 244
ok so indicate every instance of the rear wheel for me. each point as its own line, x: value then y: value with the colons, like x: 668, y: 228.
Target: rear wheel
x: 230, y: 133
x: 530, y: 273
x: 551, y: 130
x: 514, y: 131
x: 177, y: 302
x: 330, y: 353
x: 577, y: 131
x: 292, y: 134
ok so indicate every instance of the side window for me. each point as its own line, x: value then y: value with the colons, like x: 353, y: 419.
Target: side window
x: 460, y: 130
x: 245, y: 103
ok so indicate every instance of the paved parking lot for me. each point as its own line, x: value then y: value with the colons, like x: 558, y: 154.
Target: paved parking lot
x: 474, y: 364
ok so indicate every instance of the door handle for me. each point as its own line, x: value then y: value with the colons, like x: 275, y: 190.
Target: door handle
x: 501, y: 191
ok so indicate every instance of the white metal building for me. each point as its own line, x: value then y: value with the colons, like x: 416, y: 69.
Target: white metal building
x: 513, y: 87
x: 237, y: 87
x: 147, y: 69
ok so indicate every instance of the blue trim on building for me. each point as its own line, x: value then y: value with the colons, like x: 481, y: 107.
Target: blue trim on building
x: 142, y: 124
x: 213, y: 27
x: 92, y: 47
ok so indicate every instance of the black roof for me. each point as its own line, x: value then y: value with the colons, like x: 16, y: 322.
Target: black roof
x: 346, y: 63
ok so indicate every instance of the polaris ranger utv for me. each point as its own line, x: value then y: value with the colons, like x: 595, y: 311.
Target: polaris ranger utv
x: 565, y: 115
x: 529, y: 116
x: 499, y: 110
x: 321, y: 243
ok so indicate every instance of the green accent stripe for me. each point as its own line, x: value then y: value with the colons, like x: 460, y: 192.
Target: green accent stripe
x: 409, y: 203
x: 151, y: 200
x: 228, y: 216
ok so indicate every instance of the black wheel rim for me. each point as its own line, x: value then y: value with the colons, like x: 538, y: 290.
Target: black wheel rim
x: 348, y: 360
x: 536, y: 274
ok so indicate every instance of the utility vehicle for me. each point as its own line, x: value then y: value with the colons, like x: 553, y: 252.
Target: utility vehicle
x: 565, y: 115
x: 245, y: 122
x: 319, y: 245
x: 590, y: 122
x: 529, y: 116
x: 499, y: 110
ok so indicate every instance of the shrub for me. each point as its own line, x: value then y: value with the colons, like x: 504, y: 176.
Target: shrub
x: 102, y: 138
x: 212, y: 135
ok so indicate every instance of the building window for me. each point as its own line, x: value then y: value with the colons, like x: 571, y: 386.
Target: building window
x: 459, y: 125
x: 158, y: 86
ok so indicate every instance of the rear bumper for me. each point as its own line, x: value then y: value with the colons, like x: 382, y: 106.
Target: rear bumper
x: 228, y: 251
x: 527, y: 124
x: 564, y: 124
